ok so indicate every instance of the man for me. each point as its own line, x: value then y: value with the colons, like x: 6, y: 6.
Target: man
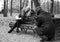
x: 45, y: 24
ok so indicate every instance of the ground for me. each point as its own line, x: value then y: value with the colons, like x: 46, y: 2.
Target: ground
x: 15, y: 37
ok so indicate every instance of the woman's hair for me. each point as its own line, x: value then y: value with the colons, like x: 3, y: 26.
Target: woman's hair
x: 33, y: 12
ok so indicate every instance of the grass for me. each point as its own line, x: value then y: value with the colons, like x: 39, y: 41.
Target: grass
x: 14, y: 37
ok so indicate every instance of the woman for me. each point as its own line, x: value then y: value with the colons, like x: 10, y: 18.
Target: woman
x: 21, y: 19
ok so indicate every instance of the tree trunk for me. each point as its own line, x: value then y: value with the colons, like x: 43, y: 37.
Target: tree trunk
x: 52, y: 6
x: 5, y: 8
x: 36, y: 3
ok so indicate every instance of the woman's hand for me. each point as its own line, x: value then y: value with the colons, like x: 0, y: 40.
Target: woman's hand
x: 18, y: 18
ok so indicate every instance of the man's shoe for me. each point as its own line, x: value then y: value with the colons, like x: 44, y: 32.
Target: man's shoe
x: 10, y: 31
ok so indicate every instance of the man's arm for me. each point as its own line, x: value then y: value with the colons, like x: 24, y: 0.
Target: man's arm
x: 43, y: 29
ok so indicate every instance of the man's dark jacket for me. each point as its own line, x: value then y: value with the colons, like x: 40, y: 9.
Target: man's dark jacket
x: 45, y: 24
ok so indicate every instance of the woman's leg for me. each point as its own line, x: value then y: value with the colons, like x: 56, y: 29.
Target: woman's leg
x: 19, y: 24
x: 16, y: 24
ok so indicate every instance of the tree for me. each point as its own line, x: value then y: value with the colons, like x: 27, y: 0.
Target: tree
x: 36, y: 3
x: 52, y: 6
x: 5, y: 8
x: 56, y: 7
